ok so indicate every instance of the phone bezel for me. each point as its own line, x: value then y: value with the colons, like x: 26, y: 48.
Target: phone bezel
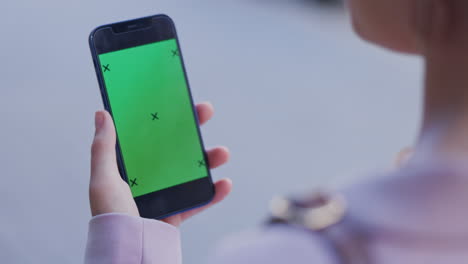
x: 146, y: 30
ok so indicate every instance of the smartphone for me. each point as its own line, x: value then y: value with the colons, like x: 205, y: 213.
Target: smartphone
x: 144, y: 87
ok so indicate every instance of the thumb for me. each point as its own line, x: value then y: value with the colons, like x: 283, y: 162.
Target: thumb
x: 103, y: 156
x: 108, y: 193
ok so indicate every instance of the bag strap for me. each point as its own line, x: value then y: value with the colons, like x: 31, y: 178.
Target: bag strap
x: 324, y: 215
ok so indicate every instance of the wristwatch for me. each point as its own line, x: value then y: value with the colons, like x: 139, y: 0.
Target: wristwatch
x: 316, y: 212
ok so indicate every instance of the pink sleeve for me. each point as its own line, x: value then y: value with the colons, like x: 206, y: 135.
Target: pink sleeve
x: 120, y: 238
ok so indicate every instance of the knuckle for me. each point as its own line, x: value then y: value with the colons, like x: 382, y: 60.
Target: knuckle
x: 99, y: 189
x: 95, y: 189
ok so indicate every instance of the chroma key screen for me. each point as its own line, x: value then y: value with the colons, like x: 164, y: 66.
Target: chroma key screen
x: 153, y: 115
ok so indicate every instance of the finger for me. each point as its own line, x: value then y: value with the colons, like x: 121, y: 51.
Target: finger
x: 222, y: 189
x: 205, y: 112
x: 403, y: 156
x: 103, y: 157
x: 217, y: 156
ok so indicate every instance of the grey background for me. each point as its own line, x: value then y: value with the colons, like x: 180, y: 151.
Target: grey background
x: 300, y: 100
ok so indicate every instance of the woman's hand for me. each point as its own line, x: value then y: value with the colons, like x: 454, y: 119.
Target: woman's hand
x: 403, y: 157
x: 108, y: 193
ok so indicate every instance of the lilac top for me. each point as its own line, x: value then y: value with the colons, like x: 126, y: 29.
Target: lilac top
x: 124, y: 239
x: 416, y: 215
x: 119, y: 238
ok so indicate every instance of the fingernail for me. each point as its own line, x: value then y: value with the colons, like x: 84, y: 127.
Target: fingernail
x: 98, y: 120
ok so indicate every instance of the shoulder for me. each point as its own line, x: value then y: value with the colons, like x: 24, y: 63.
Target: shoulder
x: 274, y: 244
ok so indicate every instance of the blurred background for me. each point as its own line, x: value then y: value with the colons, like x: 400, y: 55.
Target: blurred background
x: 299, y: 99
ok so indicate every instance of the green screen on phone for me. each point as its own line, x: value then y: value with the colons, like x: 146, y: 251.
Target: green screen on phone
x: 153, y: 114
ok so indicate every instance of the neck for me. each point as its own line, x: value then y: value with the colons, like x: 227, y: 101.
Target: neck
x: 444, y: 46
x: 445, y: 122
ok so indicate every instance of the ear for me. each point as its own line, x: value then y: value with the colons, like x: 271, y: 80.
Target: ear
x: 390, y: 24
